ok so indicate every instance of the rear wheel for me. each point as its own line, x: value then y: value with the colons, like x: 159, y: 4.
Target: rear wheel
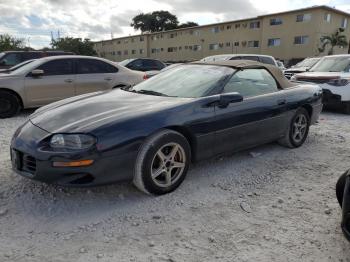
x: 340, y: 188
x: 162, y: 163
x: 346, y: 107
x: 9, y: 104
x: 298, y: 129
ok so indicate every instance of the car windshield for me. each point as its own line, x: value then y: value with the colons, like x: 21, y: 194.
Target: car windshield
x: 188, y: 81
x: 27, y: 67
x: 332, y: 64
x: 2, y: 55
x: 309, y: 62
x: 125, y: 62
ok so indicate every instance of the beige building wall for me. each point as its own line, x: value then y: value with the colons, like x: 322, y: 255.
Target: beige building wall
x: 247, y: 36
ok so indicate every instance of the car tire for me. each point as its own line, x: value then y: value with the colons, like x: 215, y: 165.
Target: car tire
x: 10, y: 104
x: 347, y: 108
x: 298, y: 130
x: 340, y: 188
x: 162, y: 163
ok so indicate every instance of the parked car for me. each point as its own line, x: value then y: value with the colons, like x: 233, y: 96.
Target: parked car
x: 11, y: 58
x: 8, y: 70
x: 332, y: 73
x: 301, y: 67
x: 281, y: 65
x: 150, y: 74
x: 143, y: 64
x: 343, y: 195
x: 50, y: 79
x: 265, y: 59
x: 150, y: 133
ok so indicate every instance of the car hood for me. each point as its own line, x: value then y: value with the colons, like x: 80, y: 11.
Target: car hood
x: 87, y: 112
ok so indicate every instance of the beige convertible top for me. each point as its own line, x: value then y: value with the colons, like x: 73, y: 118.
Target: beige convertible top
x: 244, y: 64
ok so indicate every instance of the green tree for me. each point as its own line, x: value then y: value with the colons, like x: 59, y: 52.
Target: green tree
x: 10, y: 43
x: 187, y: 24
x: 337, y: 39
x: 76, y: 45
x: 157, y: 21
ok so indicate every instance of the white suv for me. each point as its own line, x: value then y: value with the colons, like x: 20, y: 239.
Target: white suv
x: 332, y: 73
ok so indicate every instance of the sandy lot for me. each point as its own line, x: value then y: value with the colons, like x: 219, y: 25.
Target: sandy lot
x: 265, y: 204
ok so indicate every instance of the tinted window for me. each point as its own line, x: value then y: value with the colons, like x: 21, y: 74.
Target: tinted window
x: 160, y: 65
x: 267, y: 60
x: 136, y: 64
x: 236, y: 58
x: 91, y: 66
x: 11, y: 59
x: 252, y: 58
x: 29, y: 56
x: 149, y: 64
x: 251, y: 82
x: 58, y: 67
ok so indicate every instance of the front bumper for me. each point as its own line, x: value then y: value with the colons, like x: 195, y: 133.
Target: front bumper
x: 330, y: 99
x: 346, y: 209
x: 32, y: 160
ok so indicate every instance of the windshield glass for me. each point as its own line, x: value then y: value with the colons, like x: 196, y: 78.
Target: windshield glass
x: 2, y: 55
x: 332, y: 64
x: 186, y: 81
x: 308, y: 62
x: 125, y: 62
x: 21, y: 64
x: 27, y: 67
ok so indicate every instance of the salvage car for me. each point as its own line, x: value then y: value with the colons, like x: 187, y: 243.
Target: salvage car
x: 332, y: 73
x: 301, y: 67
x: 150, y: 133
x: 50, y: 79
x: 343, y: 195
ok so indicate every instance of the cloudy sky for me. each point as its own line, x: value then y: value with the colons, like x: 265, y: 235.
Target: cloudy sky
x: 34, y: 20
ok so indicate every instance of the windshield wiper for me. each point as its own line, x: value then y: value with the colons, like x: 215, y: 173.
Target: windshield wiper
x: 149, y: 92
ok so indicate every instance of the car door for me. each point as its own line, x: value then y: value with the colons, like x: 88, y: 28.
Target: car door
x: 94, y: 75
x: 56, y: 83
x: 261, y: 116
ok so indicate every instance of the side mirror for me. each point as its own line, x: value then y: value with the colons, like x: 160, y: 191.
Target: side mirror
x: 37, y: 73
x: 229, y: 98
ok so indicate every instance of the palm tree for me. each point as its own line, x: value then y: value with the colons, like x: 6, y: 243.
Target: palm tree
x: 333, y: 40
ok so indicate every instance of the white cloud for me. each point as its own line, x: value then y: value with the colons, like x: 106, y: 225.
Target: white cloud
x: 97, y: 19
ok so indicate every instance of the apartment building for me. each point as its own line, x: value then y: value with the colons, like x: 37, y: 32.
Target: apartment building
x: 289, y: 36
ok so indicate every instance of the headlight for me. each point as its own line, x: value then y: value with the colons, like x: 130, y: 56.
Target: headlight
x: 72, y: 141
x: 338, y: 82
x: 293, y: 78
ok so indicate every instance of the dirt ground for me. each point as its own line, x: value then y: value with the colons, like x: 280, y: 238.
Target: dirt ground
x: 266, y: 204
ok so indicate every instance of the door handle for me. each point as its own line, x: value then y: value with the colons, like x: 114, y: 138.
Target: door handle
x: 281, y: 102
x: 68, y: 80
x: 108, y: 78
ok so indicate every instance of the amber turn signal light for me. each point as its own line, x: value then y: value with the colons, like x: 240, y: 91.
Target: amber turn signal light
x: 73, y: 163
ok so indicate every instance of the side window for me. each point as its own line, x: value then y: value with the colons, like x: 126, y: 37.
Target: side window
x: 252, y: 58
x: 236, y: 58
x: 160, y: 65
x: 137, y: 64
x: 57, y: 67
x: 11, y: 59
x: 91, y: 66
x: 251, y: 82
x: 149, y: 64
x: 267, y: 60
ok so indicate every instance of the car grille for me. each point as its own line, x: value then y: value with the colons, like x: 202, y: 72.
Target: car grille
x: 313, y: 80
x: 29, y: 163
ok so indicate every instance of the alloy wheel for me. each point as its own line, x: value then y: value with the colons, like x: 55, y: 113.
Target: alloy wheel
x: 299, y: 128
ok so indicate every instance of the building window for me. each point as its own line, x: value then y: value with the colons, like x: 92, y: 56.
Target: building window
x: 197, y: 48
x: 301, y: 40
x: 229, y: 27
x: 119, y: 53
x: 303, y: 17
x: 172, y: 35
x: 118, y: 42
x: 274, y: 42
x: 133, y: 52
x: 228, y: 44
x: 344, y: 23
x: 254, y: 25
x: 126, y: 41
x: 236, y: 43
x: 215, y: 29
x: 276, y: 21
x: 142, y: 38
x: 254, y: 44
x: 237, y: 25
x: 213, y: 46
x: 126, y: 52
x: 132, y: 40
x: 142, y: 51
x: 186, y: 47
x: 172, y: 49
x: 327, y: 17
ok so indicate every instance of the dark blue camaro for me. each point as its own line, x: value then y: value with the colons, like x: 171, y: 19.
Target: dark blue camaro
x: 151, y: 132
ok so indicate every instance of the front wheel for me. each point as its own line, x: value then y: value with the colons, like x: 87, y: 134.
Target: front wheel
x: 162, y: 163
x: 340, y: 188
x: 9, y: 104
x: 347, y: 107
x: 298, y: 129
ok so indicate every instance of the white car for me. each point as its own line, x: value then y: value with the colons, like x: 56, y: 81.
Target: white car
x: 265, y: 59
x: 301, y: 67
x: 332, y: 73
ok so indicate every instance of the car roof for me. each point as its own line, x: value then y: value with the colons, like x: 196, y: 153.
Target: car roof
x: 248, y: 64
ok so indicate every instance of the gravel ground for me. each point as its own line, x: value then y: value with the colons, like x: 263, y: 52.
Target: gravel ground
x: 266, y: 204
